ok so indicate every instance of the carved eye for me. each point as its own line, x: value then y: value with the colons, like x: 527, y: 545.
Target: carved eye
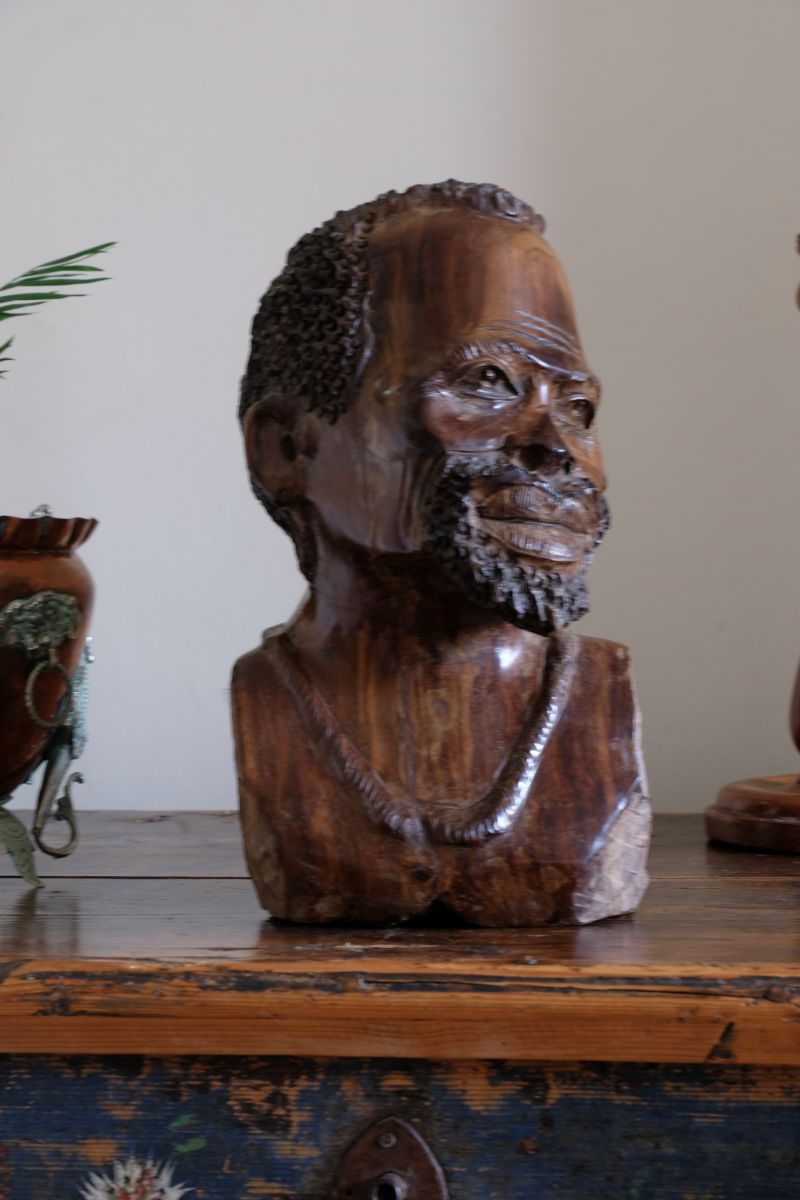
x: 579, y: 409
x: 491, y: 381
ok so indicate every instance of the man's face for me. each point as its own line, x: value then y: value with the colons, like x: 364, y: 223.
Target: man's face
x: 472, y: 437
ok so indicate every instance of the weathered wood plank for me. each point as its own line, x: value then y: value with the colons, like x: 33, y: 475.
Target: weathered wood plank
x: 190, y: 965
x: 113, y: 1011
x: 238, y: 1129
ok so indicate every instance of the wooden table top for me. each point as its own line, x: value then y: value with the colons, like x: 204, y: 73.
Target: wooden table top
x: 150, y: 940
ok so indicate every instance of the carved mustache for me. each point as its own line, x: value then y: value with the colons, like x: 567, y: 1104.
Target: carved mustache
x: 511, y: 495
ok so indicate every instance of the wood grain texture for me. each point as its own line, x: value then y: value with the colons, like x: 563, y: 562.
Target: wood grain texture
x: 424, y: 732
x: 240, y: 1129
x: 707, y: 970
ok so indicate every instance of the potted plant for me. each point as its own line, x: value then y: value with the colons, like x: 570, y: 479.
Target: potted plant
x: 45, y: 607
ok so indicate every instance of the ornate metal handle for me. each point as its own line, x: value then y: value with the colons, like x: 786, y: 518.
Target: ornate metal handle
x: 38, y: 625
x: 65, y: 811
x: 49, y: 664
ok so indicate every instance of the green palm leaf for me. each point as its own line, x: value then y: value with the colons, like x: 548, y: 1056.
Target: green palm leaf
x: 73, y: 258
x: 22, y: 295
x: 3, y: 356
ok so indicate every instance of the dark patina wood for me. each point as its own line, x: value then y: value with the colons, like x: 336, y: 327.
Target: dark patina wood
x: 149, y: 1008
x: 419, y: 415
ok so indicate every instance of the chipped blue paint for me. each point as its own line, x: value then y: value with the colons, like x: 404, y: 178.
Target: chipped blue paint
x: 501, y: 1131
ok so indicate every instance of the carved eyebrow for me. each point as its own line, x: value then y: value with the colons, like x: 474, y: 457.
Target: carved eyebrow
x: 470, y: 351
x: 556, y: 329
x: 545, y: 342
x: 553, y: 338
x: 587, y: 379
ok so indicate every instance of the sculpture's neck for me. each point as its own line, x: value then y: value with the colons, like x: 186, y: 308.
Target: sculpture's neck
x: 398, y: 601
x: 433, y: 690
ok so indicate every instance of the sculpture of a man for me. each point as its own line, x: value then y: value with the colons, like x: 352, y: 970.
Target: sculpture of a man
x: 419, y: 417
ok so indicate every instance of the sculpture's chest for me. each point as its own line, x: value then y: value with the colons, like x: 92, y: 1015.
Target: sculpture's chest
x: 331, y: 859
x: 328, y: 839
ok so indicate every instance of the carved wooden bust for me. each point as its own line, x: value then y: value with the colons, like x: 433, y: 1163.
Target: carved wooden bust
x: 425, y: 731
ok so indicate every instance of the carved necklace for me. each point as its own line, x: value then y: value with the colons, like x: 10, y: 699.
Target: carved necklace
x: 495, y: 812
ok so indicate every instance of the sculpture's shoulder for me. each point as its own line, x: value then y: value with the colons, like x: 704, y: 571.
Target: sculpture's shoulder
x: 604, y: 696
x: 599, y: 655
x: 257, y: 666
x: 257, y: 689
x: 603, y: 699
x: 265, y: 718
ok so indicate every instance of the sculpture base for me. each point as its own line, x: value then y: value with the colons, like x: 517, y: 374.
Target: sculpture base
x: 761, y: 814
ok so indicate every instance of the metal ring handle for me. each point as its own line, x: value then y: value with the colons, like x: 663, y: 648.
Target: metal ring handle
x: 51, y: 664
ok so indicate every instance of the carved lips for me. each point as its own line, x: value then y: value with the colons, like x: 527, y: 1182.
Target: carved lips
x: 541, y: 522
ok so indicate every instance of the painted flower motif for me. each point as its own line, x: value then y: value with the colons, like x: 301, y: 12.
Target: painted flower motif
x: 135, y: 1180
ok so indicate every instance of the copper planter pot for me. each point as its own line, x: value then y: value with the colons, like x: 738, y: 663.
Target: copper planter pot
x: 46, y: 597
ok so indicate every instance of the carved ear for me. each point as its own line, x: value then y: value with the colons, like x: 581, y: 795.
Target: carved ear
x: 278, y: 445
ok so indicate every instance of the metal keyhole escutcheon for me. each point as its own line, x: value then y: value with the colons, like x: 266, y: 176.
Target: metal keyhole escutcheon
x: 390, y: 1161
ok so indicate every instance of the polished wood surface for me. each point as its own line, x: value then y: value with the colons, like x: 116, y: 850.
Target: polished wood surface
x: 139, y: 959
x: 424, y: 733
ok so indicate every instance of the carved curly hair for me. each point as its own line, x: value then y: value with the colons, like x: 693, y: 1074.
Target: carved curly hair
x: 309, y: 334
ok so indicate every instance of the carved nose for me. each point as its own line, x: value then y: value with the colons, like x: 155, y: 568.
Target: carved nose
x: 542, y: 450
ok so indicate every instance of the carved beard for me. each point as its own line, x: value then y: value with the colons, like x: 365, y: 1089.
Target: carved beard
x: 529, y: 595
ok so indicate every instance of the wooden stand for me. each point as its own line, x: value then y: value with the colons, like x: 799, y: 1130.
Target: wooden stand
x: 762, y: 814
x: 149, y: 1008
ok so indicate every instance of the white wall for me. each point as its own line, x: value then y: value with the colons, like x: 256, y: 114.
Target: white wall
x: 660, y: 139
